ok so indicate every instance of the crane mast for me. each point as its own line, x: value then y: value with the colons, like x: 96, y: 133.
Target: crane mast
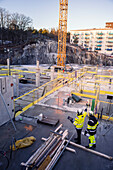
x: 62, y: 32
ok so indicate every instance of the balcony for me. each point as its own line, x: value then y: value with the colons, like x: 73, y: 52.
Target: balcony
x: 99, y: 37
x: 99, y: 45
x: 87, y: 34
x: 109, y: 46
x: 97, y: 48
x: 109, y: 49
x: 100, y: 33
x: 99, y: 41
x: 86, y: 37
x: 109, y: 41
x: 76, y: 34
x: 86, y: 41
x: 110, y: 37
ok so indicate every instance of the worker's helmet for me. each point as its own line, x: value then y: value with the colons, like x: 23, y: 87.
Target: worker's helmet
x: 91, y: 113
x: 79, y: 112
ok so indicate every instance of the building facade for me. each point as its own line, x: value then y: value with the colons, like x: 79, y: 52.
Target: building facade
x: 100, y: 40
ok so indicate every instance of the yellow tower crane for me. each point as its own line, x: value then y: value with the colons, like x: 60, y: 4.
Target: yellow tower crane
x: 62, y: 32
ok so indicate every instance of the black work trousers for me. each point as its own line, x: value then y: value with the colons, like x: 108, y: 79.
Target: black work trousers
x: 78, y: 135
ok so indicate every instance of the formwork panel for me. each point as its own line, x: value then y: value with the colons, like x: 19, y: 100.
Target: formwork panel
x: 6, y: 90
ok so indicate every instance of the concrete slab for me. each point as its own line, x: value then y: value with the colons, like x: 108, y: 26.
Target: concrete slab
x: 80, y: 161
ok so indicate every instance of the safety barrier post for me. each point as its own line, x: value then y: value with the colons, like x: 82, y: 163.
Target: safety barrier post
x: 97, y: 97
x: 37, y: 75
x: 8, y: 65
x: 33, y: 97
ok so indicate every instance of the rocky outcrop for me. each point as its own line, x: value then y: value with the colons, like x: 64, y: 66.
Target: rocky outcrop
x: 46, y: 52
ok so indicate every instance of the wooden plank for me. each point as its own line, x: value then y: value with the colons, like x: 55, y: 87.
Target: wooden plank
x: 55, y: 156
x: 45, y: 163
x: 71, y: 150
x: 67, y: 148
x: 58, y: 128
x: 90, y: 150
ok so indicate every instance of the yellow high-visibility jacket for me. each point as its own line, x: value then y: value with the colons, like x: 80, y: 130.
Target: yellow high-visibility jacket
x: 92, y: 125
x: 79, y: 121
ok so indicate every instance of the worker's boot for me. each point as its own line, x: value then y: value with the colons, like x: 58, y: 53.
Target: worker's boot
x: 94, y: 146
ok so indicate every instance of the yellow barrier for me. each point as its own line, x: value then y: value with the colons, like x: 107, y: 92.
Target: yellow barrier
x: 34, y: 90
x: 101, y: 92
x: 106, y: 76
x: 36, y: 101
x: 3, y: 74
x: 89, y: 91
x: 22, y: 71
x: 91, y: 72
x: 106, y: 92
x: 105, y: 117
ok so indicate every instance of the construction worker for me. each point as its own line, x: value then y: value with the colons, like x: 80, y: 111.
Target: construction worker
x: 91, y: 130
x: 78, y: 122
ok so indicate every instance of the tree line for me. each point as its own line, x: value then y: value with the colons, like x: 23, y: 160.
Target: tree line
x: 17, y: 28
x: 13, y: 26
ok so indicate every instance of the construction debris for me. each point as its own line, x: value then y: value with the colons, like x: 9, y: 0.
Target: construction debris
x: 22, y: 143
x: 46, y: 156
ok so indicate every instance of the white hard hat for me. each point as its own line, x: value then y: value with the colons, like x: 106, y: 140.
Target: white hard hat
x: 91, y: 113
x: 80, y: 111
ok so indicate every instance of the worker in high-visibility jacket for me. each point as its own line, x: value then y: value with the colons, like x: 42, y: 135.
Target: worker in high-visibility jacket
x: 78, y: 122
x: 91, y: 130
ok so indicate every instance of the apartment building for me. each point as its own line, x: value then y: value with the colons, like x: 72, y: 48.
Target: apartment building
x: 100, y: 40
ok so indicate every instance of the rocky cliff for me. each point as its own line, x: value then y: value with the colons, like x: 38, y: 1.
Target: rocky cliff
x: 46, y: 52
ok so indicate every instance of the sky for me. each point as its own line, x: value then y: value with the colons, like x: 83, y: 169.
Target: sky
x: 82, y: 14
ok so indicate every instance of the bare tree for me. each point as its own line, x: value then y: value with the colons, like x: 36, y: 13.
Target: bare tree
x: 24, y: 22
x: 14, y: 27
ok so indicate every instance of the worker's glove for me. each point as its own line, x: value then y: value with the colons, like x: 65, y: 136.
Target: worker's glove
x: 70, y: 118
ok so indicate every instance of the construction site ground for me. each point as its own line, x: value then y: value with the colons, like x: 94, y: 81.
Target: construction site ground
x: 53, y: 106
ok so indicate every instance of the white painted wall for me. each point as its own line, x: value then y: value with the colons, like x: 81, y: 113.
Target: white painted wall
x: 6, y: 89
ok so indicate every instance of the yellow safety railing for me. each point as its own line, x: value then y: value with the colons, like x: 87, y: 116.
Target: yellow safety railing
x: 34, y: 89
x: 42, y: 97
x: 16, y: 70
